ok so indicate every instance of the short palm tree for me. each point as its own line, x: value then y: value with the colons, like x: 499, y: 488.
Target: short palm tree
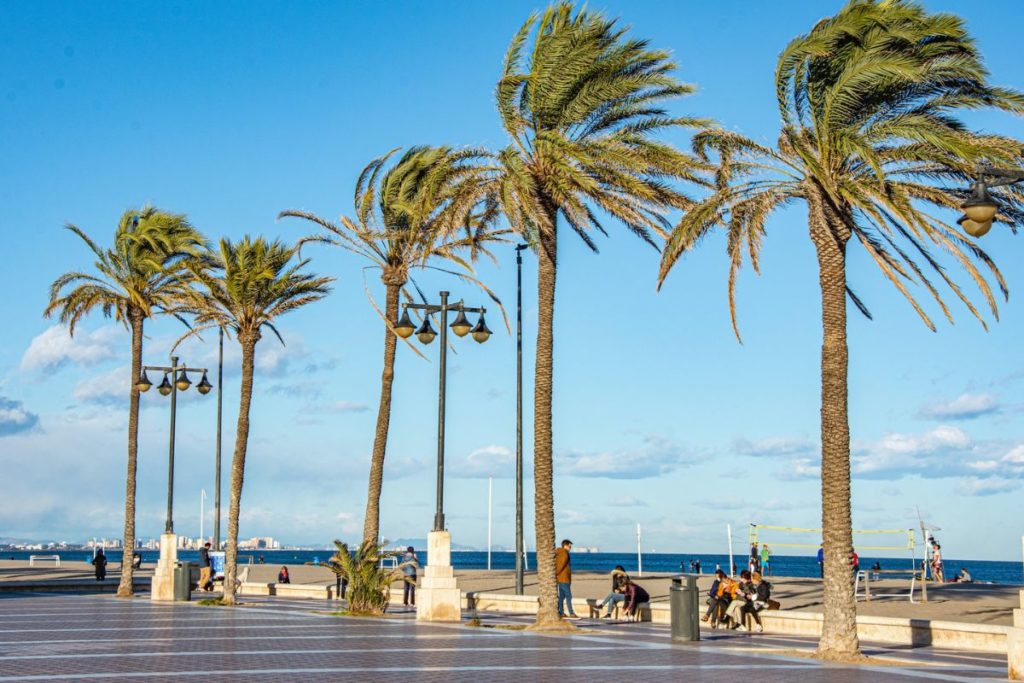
x: 420, y: 210
x: 242, y: 289
x: 369, y: 581
x: 870, y: 142
x: 582, y: 104
x: 140, y: 277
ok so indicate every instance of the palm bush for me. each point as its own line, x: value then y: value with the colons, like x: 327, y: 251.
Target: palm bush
x: 369, y: 584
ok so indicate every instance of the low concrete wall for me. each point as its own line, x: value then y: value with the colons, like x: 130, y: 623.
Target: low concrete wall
x: 70, y: 585
x: 915, y: 632
x: 291, y: 590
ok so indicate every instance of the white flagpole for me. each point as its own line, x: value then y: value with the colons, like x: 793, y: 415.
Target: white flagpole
x: 202, y: 512
x: 728, y: 530
x: 490, y: 491
x: 639, y: 555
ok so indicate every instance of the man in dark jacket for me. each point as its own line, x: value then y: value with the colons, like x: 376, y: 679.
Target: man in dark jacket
x: 100, y: 563
x: 204, y: 568
x: 563, y: 577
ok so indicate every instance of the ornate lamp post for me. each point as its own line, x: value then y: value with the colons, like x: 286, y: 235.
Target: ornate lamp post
x: 163, y: 575
x: 440, y: 598
x: 980, y: 209
x: 520, y: 550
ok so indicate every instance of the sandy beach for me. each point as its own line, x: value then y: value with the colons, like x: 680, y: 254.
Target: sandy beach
x: 973, y: 603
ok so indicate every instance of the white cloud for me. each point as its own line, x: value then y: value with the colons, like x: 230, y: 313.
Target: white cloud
x: 110, y: 387
x: 973, y: 486
x: 14, y: 419
x: 345, y: 407
x: 489, y: 461
x: 938, y: 452
x: 964, y: 407
x: 801, y: 468
x: 772, y: 446
x: 626, y: 502
x: 656, y: 457
x: 55, y: 348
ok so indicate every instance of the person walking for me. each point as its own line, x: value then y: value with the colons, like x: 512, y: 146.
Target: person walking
x: 821, y: 560
x: 563, y: 577
x: 99, y: 562
x: 205, y: 584
x: 282, y: 576
x: 410, y: 568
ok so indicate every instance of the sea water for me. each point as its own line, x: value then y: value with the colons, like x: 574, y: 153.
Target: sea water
x: 781, y: 565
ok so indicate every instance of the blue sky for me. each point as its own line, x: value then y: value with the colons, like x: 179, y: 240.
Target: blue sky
x: 231, y: 112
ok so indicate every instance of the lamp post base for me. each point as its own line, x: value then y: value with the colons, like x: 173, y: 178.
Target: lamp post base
x: 439, y: 597
x: 162, y: 588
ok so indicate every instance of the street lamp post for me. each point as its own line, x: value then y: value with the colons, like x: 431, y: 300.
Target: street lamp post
x: 980, y: 209
x: 220, y: 410
x: 440, y: 597
x: 163, y: 576
x: 520, y: 550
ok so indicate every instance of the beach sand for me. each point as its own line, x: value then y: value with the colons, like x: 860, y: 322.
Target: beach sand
x: 973, y: 603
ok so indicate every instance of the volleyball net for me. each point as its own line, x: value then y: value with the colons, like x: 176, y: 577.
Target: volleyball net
x: 796, y: 537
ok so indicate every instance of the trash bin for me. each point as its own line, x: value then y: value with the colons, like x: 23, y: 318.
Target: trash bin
x: 183, y: 581
x: 684, y: 608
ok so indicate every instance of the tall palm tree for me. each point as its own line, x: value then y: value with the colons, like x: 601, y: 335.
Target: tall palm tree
x: 242, y: 289
x: 140, y: 277
x: 581, y: 103
x: 870, y: 142
x: 421, y: 210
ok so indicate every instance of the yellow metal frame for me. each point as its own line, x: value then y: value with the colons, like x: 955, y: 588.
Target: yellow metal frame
x: 910, y: 545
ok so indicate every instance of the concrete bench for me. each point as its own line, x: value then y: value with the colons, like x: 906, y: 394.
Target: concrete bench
x: 643, y: 612
x: 292, y: 590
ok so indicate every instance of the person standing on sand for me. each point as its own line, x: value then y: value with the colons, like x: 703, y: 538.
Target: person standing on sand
x: 100, y: 563
x: 204, y: 568
x: 563, y: 577
x: 766, y: 560
x: 821, y: 560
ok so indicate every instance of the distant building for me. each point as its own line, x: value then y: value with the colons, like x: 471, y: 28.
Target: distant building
x: 260, y: 543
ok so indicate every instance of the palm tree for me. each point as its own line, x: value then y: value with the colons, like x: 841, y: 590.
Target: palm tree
x: 420, y: 210
x: 137, y: 279
x: 242, y: 289
x: 869, y: 140
x: 581, y: 106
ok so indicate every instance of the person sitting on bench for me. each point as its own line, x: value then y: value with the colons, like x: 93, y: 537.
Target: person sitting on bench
x: 635, y: 596
x: 619, y: 579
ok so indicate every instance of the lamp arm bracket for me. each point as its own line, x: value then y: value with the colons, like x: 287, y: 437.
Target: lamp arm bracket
x: 999, y: 176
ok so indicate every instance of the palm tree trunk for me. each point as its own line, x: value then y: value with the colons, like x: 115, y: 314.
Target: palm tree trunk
x: 544, y: 494
x: 125, y: 588
x: 248, y: 344
x: 839, y: 630
x: 371, y: 522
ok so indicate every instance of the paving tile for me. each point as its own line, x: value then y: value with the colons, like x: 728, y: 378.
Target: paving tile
x: 98, y: 637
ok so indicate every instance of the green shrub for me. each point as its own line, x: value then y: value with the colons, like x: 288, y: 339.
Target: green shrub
x: 369, y: 584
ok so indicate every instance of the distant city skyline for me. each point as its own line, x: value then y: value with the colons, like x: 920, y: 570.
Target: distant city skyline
x: 233, y: 114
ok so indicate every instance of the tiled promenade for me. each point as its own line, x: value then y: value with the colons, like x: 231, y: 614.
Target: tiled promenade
x: 94, y: 637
